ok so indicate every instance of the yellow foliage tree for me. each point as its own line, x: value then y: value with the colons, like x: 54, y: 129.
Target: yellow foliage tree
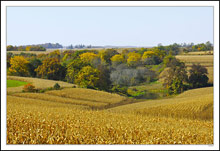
x: 50, y: 69
x: 87, y: 77
x: 19, y: 66
x: 28, y: 48
x: 55, y: 54
x: 133, y: 58
x: 117, y: 59
x: 88, y: 57
x: 148, y: 54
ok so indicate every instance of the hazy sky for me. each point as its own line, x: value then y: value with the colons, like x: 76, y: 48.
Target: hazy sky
x: 130, y: 26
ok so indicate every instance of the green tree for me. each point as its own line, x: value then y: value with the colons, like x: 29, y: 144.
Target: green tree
x: 198, y: 76
x: 175, y: 78
x: 169, y: 60
x: 87, y: 77
x: 104, y: 82
x: 33, y: 64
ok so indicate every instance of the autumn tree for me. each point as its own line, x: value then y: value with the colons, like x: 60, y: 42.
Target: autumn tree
x: 73, y: 68
x: 150, y: 58
x: 88, y: 57
x: 51, y: 69
x: 55, y: 54
x: 28, y: 48
x: 117, y: 59
x: 19, y: 66
x: 198, y: 76
x: 133, y: 59
x: 87, y: 77
x: 106, y: 55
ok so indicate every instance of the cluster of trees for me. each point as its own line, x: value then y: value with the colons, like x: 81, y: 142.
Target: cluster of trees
x: 51, y: 45
x: 78, y: 46
x: 176, y: 79
x: 102, y: 70
x: 199, y: 47
x: 108, y: 69
x: 25, y: 48
x: 38, y: 47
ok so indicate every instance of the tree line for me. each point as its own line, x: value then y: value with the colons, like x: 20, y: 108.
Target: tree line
x: 108, y: 69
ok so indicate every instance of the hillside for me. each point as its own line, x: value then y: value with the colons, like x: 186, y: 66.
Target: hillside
x: 85, y: 116
x: 193, y: 104
x: 37, y: 121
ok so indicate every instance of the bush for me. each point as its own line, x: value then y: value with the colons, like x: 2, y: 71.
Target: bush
x: 29, y: 88
x: 120, y: 90
x: 56, y: 86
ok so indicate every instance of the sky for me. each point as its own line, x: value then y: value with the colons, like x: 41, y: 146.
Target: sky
x: 118, y: 26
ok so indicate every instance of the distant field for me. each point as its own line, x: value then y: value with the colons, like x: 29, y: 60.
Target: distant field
x: 51, y: 50
x: 205, y: 60
x: 192, y: 104
x: 200, y: 53
x: 15, y: 83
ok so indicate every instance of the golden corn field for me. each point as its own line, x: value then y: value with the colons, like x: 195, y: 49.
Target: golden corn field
x: 76, y: 116
x: 192, y: 104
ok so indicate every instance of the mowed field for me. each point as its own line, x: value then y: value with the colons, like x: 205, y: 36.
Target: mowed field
x: 84, y: 116
x: 204, y: 60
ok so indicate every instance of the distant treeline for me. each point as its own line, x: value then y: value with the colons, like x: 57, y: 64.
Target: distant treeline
x: 25, y: 48
x: 174, y: 47
x: 38, y: 47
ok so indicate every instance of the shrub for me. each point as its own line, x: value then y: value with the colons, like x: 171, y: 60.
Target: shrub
x: 29, y: 88
x: 56, y: 86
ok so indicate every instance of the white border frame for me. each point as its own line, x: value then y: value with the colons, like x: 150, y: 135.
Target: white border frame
x: 215, y: 4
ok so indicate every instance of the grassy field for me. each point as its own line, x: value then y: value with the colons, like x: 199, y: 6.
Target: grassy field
x: 85, y: 116
x: 15, y: 83
x: 38, y: 83
x: 205, y: 60
x: 151, y: 90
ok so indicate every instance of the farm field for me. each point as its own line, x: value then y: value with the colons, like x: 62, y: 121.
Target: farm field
x: 204, y: 60
x: 192, y: 104
x: 84, y: 116
x: 199, y: 53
